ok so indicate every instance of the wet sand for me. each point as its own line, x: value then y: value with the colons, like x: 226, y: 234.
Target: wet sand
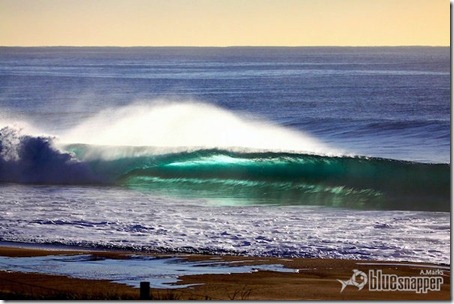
x: 313, y: 279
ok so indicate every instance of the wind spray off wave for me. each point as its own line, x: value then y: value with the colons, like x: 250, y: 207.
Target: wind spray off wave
x: 27, y: 156
x: 190, y: 125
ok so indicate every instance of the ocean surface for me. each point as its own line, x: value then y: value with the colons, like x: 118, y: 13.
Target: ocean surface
x: 291, y: 152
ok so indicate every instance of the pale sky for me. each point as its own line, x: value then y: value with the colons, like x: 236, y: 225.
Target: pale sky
x: 224, y: 22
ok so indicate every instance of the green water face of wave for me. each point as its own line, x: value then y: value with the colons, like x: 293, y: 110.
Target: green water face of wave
x: 226, y: 177
x: 243, y: 192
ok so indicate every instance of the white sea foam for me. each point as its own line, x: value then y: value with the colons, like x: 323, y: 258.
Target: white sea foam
x: 116, y: 217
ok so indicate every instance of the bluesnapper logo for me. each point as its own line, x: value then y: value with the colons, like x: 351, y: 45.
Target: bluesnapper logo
x: 379, y: 281
x: 358, y: 279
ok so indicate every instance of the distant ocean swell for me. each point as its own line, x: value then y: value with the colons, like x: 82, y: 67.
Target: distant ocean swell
x: 223, y: 175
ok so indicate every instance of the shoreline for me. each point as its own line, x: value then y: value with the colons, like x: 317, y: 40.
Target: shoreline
x: 310, y: 279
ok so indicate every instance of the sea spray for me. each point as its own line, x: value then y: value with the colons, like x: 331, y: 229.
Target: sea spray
x: 189, y: 125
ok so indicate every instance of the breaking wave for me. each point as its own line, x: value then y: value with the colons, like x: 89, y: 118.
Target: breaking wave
x: 35, y: 159
x: 252, y: 167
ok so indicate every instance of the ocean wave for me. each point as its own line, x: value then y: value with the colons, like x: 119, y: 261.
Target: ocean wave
x: 257, y: 177
x: 286, y: 178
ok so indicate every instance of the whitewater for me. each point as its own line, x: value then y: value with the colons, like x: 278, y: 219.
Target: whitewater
x: 226, y: 170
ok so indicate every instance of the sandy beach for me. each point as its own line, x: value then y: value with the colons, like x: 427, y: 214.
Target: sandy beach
x: 310, y: 279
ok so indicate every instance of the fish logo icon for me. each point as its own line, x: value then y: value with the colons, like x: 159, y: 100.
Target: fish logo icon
x: 358, y: 279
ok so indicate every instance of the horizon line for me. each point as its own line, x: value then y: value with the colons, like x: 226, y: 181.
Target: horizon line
x: 214, y: 46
